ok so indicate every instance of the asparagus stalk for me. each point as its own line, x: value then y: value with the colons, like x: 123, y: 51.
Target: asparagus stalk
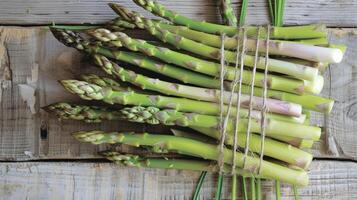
x: 170, y: 56
x: 180, y: 104
x: 273, y: 127
x: 173, y: 117
x: 218, y: 195
x: 122, y: 24
x: 294, y: 32
x: 199, y: 149
x: 117, y: 24
x: 199, y: 185
x: 291, y: 49
x: 297, y: 142
x: 307, y: 101
x: 93, y: 114
x: 198, y: 93
x: 202, y: 66
x: 71, y: 39
x: 115, y: 86
x: 227, y: 13
x: 90, y: 114
x: 310, y: 102
x: 108, y: 95
x: 319, y: 65
x: 166, y: 163
x: 104, y: 82
x: 274, y: 149
x: 190, y: 38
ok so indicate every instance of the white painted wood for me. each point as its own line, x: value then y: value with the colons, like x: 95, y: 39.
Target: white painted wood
x: 336, y: 13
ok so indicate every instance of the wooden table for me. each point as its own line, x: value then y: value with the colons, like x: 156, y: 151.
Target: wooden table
x: 58, y: 167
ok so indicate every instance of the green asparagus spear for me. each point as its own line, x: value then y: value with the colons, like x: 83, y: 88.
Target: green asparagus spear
x: 227, y: 13
x: 129, y: 97
x: 211, y: 95
x: 72, y: 39
x: 166, y: 163
x: 291, y: 69
x: 293, y: 32
x: 275, y: 149
x: 297, y: 142
x: 199, y: 149
x: 205, y: 38
x: 97, y: 114
x: 182, y: 37
x: 173, y: 117
x: 311, y: 102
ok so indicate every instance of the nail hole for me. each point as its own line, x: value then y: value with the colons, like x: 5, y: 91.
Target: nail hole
x: 43, y: 132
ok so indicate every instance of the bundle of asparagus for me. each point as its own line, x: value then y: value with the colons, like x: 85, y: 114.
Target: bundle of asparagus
x: 276, y: 104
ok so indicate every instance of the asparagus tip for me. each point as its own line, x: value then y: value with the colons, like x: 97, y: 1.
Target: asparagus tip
x: 84, y: 89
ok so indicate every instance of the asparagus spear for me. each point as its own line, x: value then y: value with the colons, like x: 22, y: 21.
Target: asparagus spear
x: 188, y: 38
x: 104, y: 82
x: 273, y: 148
x: 198, y: 93
x: 122, y: 24
x: 293, y: 32
x: 202, y: 66
x: 198, y: 35
x: 94, y: 114
x: 227, y: 13
x: 72, y: 39
x: 90, y: 114
x: 173, y: 117
x: 166, y: 163
x: 185, y: 105
x: 311, y: 102
x: 128, y: 97
x: 199, y: 149
x: 170, y: 56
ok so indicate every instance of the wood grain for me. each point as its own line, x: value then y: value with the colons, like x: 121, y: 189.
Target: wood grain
x: 336, y: 13
x: 73, y: 181
x: 341, y: 84
x: 36, y: 61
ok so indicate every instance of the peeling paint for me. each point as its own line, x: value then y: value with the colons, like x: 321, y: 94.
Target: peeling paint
x: 27, y: 93
x: 8, y: 34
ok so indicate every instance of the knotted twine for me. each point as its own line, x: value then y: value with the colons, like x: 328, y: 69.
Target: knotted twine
x: 238, y: 79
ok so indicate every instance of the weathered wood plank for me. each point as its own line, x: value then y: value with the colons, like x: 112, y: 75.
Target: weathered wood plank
x: 43, y: 180
x: 341, y: 84
x: 36, y: 61
x: 336, y: 13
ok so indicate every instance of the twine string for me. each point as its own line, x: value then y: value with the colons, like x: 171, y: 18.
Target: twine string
x: 238, y: 79
x: 264, y: 110
x: 246, y: 149
x: 239, y: 62
x: 221, y: 106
